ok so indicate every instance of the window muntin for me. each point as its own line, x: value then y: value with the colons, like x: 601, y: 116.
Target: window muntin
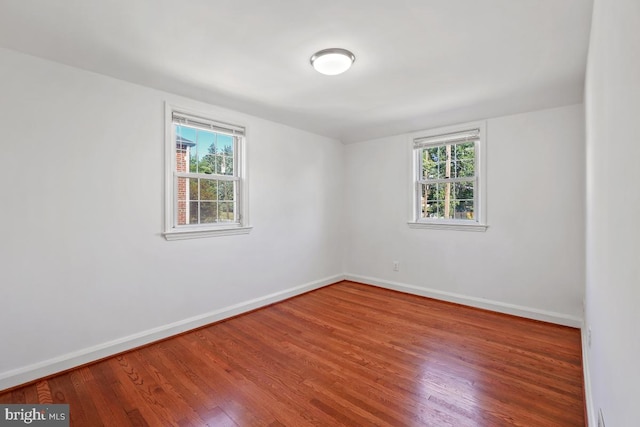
x: 447, y: 179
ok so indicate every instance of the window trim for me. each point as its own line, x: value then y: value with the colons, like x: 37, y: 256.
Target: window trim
x: 480, y: 210
x: 172, y: 232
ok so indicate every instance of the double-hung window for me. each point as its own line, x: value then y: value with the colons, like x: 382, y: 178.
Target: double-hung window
x: 205, y: 181
x: 448, y: 178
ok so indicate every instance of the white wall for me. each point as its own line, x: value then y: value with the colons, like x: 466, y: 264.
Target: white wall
x: 83, y: 264
x: 612, y: 101
x: 531, y: 259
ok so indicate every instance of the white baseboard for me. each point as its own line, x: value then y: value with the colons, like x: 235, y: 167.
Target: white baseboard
x: 61, y: 363
x: 592, y: 420
x: 500, y: 307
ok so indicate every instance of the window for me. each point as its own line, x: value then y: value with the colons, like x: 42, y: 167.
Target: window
x: 448, y: 178
x: 206, y: 184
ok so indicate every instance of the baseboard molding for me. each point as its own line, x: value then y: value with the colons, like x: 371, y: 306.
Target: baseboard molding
x: 500, y: 307
x: 592, y: 420
x: 16, y: 377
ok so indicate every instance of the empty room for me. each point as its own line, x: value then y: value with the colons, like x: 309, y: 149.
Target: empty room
x: 336, y: 213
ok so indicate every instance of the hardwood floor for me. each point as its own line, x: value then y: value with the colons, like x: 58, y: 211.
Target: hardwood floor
x: 347, y: 354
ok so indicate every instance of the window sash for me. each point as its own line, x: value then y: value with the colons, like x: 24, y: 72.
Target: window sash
x: 237, y: 216
x: 420, y: 202
x: 418, y: 153
x: 236, y: 144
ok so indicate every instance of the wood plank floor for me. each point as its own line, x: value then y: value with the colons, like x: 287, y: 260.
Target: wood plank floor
x: 347, y: 354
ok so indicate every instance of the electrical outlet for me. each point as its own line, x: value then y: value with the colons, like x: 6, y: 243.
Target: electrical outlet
x: 396, y: 266
x: 600, y: 418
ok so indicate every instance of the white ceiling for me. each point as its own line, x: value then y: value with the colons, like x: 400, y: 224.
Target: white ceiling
x: 419, y: 63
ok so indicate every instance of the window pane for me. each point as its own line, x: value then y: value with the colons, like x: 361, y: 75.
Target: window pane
x: 193, y: 189
x: 226, y: 190
x: 464, y: 169
x: 208, y: 212
x: 433, y: 162
x: 463, y: 158
x: 463, y: 190
x: 429, y: 191
x: 208, y: 189
x: 225, y: 149
x: 226, y: 211
x: 432, y: 200
x: 185, y: 150
x: 206, y: 151
x: 464, y: 210
x: 193, y: 212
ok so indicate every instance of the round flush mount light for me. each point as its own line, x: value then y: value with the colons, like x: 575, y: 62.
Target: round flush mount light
x: 332, y: 61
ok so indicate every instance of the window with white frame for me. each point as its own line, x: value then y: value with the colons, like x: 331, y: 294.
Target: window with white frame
x: 448, y: 178
x: 205, y: 180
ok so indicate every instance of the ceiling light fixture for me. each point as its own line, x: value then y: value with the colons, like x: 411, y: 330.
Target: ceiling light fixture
x: 332, y: 61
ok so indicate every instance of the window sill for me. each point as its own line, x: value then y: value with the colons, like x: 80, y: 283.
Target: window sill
x: 208, y: 232
x: 461, y: 226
